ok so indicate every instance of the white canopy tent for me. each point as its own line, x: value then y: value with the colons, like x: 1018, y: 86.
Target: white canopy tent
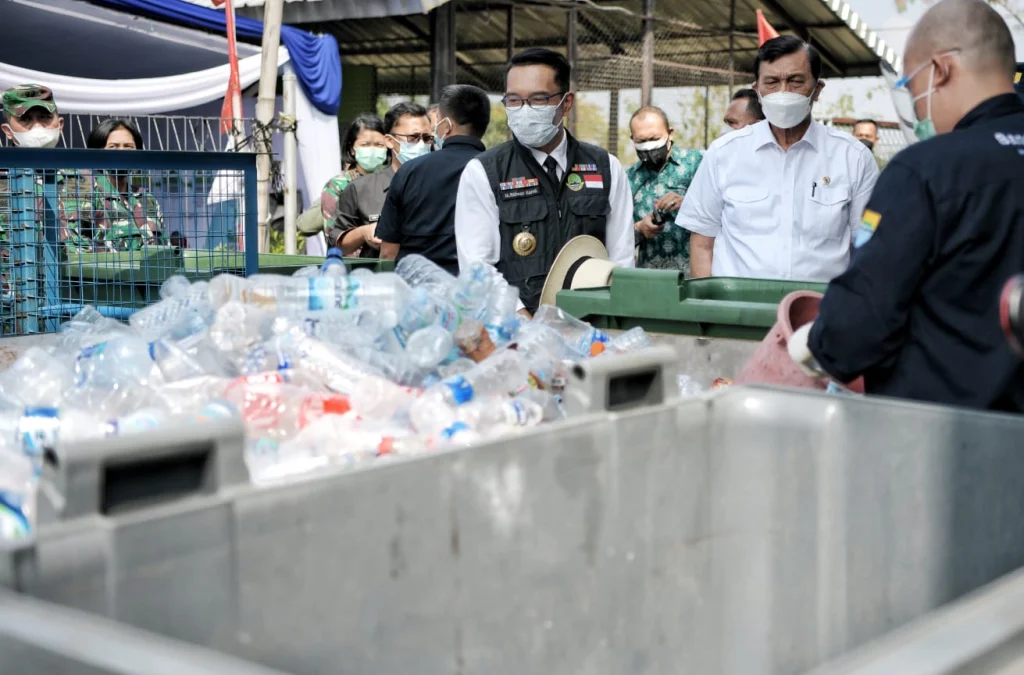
x: 90, y: 70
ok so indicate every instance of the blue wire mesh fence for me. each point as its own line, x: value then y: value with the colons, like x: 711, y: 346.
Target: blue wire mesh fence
x: 107, y: 228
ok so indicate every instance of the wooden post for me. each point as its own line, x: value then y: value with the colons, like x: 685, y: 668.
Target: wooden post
x: 572, y: 20
x: 265, y: 114
x: 647, y: 68
x: 732, y: 45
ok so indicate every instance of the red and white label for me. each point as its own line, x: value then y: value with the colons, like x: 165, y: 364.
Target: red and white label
x: 593, y: 180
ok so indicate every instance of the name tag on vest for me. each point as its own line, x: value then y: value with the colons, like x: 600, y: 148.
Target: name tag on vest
x: 519, y: 187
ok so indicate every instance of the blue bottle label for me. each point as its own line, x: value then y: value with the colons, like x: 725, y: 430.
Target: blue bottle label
x: 321, y: 293
x: 38, y: 429
x: 13, y: 522
x: 91, y: 350
x: 454, y: 429
x: 462, y: 390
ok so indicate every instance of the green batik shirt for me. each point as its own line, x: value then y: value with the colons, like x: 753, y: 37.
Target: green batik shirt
x: 125, y: 221
x: 670, y: 249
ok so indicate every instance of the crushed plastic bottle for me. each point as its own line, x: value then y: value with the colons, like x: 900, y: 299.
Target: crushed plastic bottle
x: 632, y: 340
x: 581, y: 337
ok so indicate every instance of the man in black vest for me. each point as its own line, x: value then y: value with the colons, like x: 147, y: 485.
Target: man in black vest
x: 521, y: 201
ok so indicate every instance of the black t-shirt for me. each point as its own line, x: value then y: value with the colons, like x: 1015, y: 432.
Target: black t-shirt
x: 360, y: 204
x: 419, y: 211
x: 917, y: 312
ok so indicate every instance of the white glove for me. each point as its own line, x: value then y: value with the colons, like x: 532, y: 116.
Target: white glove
x: 801, y: 354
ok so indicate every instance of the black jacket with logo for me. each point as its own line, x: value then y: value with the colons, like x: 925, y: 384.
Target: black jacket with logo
x: 917, y: 312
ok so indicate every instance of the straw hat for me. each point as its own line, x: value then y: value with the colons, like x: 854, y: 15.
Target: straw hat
x: 582, y: 263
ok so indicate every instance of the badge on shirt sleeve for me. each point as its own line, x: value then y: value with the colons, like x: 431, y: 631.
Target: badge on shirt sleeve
x: 868, y: 224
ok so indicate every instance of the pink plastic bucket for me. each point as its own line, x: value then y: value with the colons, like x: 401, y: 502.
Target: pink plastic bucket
x: 771, y: 363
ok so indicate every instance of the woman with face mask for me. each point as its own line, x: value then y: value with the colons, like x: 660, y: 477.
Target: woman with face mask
x: 125, y: 216
x: 351, y: 225
x: 363, y: 151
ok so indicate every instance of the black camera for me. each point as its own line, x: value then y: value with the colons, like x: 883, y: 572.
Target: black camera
x: 660, y: 217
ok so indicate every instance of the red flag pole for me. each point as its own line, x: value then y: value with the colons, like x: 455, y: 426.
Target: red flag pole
x: 231, y: 113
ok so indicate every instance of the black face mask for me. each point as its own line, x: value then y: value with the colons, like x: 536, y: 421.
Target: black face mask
x: 654, y: 159
x: 869, y: 144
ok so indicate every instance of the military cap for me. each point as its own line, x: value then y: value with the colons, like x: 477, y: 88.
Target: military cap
x: 22, y: 98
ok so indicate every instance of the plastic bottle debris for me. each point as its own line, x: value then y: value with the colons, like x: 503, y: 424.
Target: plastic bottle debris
x: 328, y: 368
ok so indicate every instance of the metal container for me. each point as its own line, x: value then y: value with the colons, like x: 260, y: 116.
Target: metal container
x: 754, y: 531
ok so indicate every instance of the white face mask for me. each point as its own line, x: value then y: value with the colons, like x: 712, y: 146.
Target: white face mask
x: 534, y: 127
x: 785, y: 109
x: 37, y: 137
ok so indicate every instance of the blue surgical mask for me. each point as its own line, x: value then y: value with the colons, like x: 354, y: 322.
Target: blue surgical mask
x: 409, y: 151
x: 534, y: 127
x: 438, y: 141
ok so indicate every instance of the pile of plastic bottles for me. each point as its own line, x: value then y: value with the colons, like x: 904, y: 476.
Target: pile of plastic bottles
x: 328, y: 369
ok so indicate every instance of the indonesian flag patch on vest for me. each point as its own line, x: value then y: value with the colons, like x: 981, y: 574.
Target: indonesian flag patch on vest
x: 593, y: 180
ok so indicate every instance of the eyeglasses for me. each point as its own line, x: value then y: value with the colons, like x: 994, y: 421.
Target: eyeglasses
x: 535, y: 101
x: 415, y: 138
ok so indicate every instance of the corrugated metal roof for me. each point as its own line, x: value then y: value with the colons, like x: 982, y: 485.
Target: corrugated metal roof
x: 307, y: 11
x: 691, y: 45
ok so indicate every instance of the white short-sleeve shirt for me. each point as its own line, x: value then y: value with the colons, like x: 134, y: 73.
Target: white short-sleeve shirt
x: 778, y: 214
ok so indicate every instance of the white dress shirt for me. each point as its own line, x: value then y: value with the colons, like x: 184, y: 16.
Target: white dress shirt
x: 779, y: 214
x: 477, y: 236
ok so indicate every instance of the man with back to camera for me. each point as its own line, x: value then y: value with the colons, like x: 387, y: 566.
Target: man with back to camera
x: 419, y: 210
x: 866, y: 131
x: 407, y: 134
x: 521, y: 201
x: 780, y: 199
x: 917, y: 311
x: 743, y: 110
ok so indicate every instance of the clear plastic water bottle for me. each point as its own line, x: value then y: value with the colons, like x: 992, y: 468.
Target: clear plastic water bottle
x: 429, y: 347
x: 632, y: 340
x: 334, y: 265
x: 174, y: 287
x: 544, y: 352
x: 419, y: 272
x: 580, y: 336
x: 159, y: 319
x: 472, y: 290
x: 422, y: 310
x: 117, y: 359
x: 503, y: 374
x: 495, y: 413
x: 36, y: 379
x: 17, y: 495
x: 500, y: 316
x: 379, y: 398
x: 385, y: 292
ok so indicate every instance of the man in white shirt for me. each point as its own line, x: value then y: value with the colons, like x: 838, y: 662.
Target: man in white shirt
x: 780, y: 199
x: 521, y: 201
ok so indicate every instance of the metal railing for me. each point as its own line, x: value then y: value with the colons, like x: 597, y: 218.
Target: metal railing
x: 177, y: 133
x: 104, y: 228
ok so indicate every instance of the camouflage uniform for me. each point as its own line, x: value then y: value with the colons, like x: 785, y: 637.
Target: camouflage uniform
x: 332, y: 193
x: 124, y: 221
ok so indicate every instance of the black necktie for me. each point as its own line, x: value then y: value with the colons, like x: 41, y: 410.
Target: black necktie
x: 551, y: 166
